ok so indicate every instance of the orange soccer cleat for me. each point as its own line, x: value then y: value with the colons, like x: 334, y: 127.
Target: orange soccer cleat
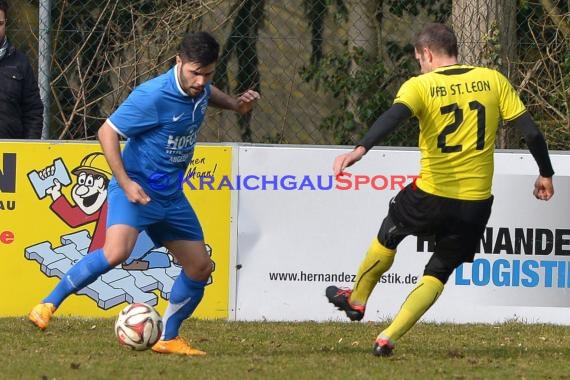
x: 41, y: 315
x: 176, y: 346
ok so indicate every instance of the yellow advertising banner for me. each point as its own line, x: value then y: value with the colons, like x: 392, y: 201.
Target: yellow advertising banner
x: 53, y: 205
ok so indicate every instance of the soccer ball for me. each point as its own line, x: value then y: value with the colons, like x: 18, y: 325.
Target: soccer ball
x: 138, y: 326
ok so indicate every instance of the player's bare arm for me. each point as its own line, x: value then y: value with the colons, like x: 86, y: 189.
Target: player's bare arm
x: 110, y: 143
x: 242, y: 104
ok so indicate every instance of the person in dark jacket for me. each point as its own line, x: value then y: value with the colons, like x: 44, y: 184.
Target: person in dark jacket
x: 21, y: 108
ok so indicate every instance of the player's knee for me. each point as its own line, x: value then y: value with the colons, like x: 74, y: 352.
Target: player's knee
x: 442, y: 276
x: 439, y: 269
x: 208, y: 268
x: 203, y: 270
x: 116, y: 256
x: 387, y: 235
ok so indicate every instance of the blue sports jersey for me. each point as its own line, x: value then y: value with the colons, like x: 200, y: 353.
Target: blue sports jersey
x: 161, y: 123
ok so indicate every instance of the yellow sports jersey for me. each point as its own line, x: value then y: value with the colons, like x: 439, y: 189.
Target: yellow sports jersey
x: 459, y: 108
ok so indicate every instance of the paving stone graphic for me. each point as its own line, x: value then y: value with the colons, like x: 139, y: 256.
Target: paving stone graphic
x: 114, y: 287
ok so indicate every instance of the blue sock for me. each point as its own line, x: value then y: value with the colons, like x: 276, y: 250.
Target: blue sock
x: 84, y: 272
x: 184, y: 298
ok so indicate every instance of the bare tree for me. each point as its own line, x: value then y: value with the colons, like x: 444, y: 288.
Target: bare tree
x: 103, y: 52
x: 486, y: 32
x: 545, y: 72
x: 363, y: 35
x: 561, y: 22
x: 478, y: 23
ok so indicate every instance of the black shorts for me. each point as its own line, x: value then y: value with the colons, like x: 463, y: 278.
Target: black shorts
x: 456, y: 226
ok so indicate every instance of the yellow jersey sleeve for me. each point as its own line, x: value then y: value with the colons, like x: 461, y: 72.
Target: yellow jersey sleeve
x: 409, y: 94
x: 510, y: 103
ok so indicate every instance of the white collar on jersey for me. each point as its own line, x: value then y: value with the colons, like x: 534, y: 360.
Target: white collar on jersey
x: 177, y: 80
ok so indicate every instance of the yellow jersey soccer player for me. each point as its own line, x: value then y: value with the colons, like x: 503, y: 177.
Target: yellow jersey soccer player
x: 459, y: 109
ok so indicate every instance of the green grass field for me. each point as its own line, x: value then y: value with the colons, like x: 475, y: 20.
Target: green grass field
x: 75, y: 348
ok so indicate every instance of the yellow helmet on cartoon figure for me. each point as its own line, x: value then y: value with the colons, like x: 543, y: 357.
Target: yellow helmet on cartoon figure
x: 94, y: 162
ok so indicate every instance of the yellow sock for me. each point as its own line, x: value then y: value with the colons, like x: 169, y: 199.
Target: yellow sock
x: 417, y: 303
x: 377, y: 261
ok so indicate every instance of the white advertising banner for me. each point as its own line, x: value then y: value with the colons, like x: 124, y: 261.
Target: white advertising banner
x: 300, y: 230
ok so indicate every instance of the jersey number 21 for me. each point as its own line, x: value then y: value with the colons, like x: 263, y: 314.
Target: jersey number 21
x: 458, y: 120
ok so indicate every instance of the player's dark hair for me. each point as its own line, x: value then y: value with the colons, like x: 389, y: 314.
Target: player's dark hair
x: 4, y: 7
x: 439, y: 38
x: 199, y: 47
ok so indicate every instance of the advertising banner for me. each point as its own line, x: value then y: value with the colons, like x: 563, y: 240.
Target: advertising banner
x: 300, y: 230
x: 280, y: 229
x: 53, y: 201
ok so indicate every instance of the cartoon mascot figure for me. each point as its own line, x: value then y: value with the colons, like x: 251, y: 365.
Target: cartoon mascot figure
x: 89, y: 194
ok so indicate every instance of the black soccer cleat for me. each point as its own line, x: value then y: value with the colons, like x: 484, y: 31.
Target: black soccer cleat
x: 383, y: 348
x: 339, y: 297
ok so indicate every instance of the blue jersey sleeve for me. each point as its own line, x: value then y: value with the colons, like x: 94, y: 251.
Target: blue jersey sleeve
x: 138, y: 113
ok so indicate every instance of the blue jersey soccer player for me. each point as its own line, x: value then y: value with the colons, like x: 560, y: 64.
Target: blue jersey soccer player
x: 160, y: 119
x: 459, y: 108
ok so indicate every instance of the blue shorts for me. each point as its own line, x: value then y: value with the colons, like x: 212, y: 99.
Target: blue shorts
x: 163, y: 220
